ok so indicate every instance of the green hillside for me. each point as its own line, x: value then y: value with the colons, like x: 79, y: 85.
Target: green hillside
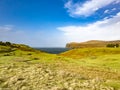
x: 12, y: 46
x: 90, y: 52
x: 77, y: 69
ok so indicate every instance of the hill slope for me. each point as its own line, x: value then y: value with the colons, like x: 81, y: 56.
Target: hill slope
x: 24, y: 69
x: 91, y: 43
x: 79, y: 53
x: 8, y: 46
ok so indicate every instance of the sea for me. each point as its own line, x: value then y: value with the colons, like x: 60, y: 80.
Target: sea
x: 53, y: 50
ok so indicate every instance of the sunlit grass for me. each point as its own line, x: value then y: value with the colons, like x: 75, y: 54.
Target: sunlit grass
x: 85, y: 69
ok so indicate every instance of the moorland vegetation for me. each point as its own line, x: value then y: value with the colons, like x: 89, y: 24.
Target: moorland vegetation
x: 23, y: 68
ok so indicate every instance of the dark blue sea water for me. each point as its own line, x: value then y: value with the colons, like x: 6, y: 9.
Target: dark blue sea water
x: 53, y: 50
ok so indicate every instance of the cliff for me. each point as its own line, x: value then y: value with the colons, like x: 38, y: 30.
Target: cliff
x: 91, y: 43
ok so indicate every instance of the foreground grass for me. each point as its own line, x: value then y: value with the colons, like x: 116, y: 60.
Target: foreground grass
x: 86, y: 69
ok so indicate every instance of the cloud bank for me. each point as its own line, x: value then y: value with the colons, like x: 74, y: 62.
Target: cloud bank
x: 87, y: 8
x: 107, y: 29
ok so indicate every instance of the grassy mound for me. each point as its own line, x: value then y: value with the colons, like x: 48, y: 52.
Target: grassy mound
x: 90, y: 52
x: 7, y: 46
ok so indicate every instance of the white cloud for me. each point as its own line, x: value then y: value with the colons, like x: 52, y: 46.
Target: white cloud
x: 106, y: 11
x: 87, y: 8
x: 117, y: 1
x: 6, y: 28
x: 114, y: 9
x: 107, y: 29
x: 109, y: 11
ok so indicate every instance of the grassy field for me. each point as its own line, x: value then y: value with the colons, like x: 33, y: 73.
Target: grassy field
x: 77, y: 69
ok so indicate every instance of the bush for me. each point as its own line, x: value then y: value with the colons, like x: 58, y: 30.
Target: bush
x: 112, y: 45
x: 35, y: 58
x: 117, y: 45
x: 7, y: 54
x: 2, y: 43
x: 8, y: 43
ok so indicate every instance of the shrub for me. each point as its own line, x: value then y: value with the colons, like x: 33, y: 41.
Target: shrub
x: 8, y: 43
x: 7, y: 54
x: 112, y: 45
x: 36, y: 58
x: 117, y: 45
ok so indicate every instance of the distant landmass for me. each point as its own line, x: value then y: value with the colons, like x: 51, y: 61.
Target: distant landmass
x: 91, y: 43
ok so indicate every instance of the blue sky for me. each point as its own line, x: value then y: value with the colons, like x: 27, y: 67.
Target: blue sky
x: 53, y: 23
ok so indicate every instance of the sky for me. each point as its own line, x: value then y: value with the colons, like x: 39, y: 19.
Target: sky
x: 53, y: 23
